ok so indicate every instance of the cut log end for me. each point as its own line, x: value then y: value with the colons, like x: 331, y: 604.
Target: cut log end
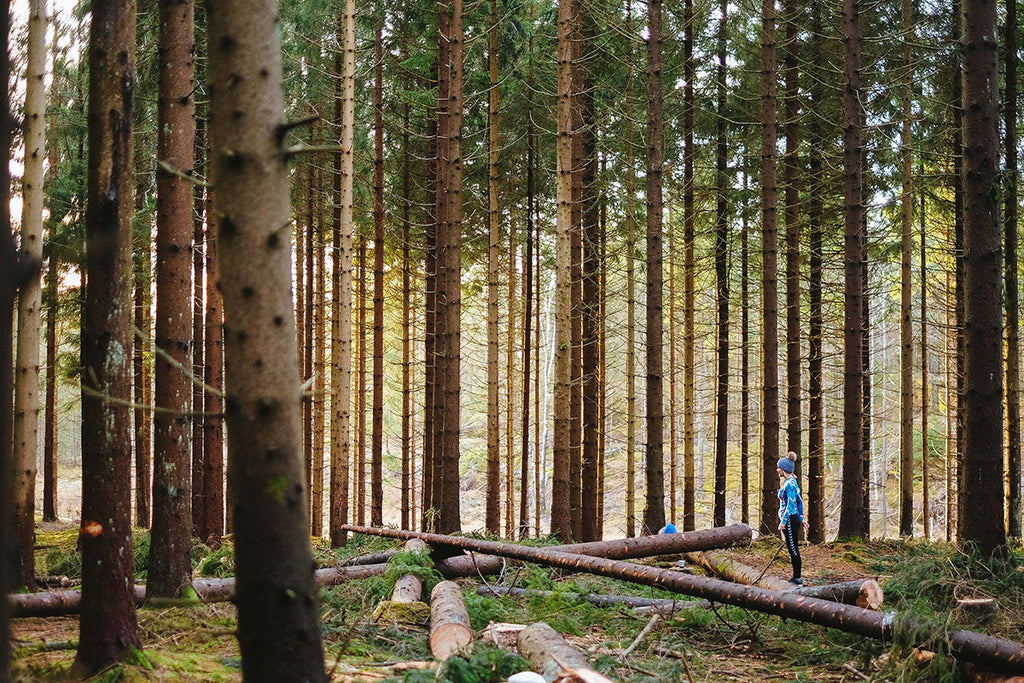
x: 976, y: 610
x: 450, y: 629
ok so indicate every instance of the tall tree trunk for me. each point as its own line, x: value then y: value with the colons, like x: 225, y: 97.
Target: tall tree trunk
x: 360, y: 435
x: 26, y: 390
x: 8, y: 294
x: 576, y: 278
x: 906, y: 250
x: 493, y: 510
x: 815, y: 319
x: 377, y: 446
x: 983, y: 522
x: 341, y: 276
x: 524, y: 487
x: 958, y: 254
x: 408, y: 461
x: 866, y: 390
x: 721, y: 280
x: 198, y: 335
x: 309, y: 323
x: 791, y: 173
x: 510, y: 387
x: 925, y: 395
x: 745, y: 358
x: 769, y: 274
x: 213, y: 403
x: 142, y: 385
x: 108, y: 625
x: 689, y: 223
x: 672, y: 366
x: 279, y: 639
x: 449, y: 518
x: 654, y: 512
x: 170, y: 567
x: 316, y: 494
x: 854, y: 503
x: 590, y: 311
x: 561, y: 522
x: 1010, y: 213
x: 630, y: 220
x: 50, y: 416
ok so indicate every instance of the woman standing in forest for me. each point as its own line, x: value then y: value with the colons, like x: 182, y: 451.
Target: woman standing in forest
x: 791, y: 512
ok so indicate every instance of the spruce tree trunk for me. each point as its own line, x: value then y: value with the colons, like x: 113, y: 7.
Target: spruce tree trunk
x: 1010, y: 213
x: 50, y: 415
x: 906, y: 250
x: 524, y: 476
x: 26, y: 389
x: 360, y: 426
x: 983, y: 522
x: 854, y: 503
x: 815, y: 379
x: 721, y: 281
x: 316, y: 494
x: 108, y: 626
x: 654, y: 512
x: 198, y: 333
x: 213, y: 398
x: 561, y: 522
x: 925, y: 395
x: 142, y: 388
x: 745, y: 361
x: 769, y: 274
x: 493, y: 510
x: 590, y: 312
x: 377, y: 442
x: 170, y: 567
x: 278, y: 617
x: 791, y: 179
x: 689, y: 223
x: 408, y: 460
x: 341, y: 277
x: 630, y: 220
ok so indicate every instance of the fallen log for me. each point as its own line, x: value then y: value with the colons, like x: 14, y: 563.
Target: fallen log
x: 369, y: 558
x: 449, y: 621
x: 863, y: 592
x: 663, y: 604
x: 990, y: 652
x: 57, y: 603
x: 553, y: 657
x: 405, y: 606
x: 619, y: 549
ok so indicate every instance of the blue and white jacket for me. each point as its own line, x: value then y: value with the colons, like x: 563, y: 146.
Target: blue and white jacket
x: 790, y: 502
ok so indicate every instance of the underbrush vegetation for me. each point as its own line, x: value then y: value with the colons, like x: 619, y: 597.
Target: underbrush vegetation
x: 923, y: 582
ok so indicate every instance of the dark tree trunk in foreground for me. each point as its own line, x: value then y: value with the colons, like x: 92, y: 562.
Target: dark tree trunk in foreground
x: 654, y: 512
x: 170, y: 567
x: 994, y: 653
x: 278, y: 615
x: 377, y: 445
x: 108, y: 626
x: 142, y: 389
x: 983, y: 522
x: 721, y: 281
x: 1010, y: 213
x: 50, y: 415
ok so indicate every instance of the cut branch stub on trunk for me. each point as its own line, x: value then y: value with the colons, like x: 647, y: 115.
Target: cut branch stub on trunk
x: 449, y: 621
x: 553, y: 657
x: 619, y: 549
x: 992, y: 653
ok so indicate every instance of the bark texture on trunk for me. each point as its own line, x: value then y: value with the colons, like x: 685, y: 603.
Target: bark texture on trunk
x: 108, y: 625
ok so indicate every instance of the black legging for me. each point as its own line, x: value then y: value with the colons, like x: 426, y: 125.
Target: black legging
x: 789, y: 532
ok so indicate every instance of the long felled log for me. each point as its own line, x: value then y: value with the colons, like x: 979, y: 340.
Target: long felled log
x: 553, y: 657
x: 862, y: 592
x: 992, y: 653
x: 450, y: 629
x: 663, y: 604
x: 56, y: 603
x: 620, y: 549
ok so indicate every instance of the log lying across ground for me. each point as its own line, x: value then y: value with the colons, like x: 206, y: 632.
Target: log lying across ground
x: 861, y: 592
x: 990, y: 652
x: 405, y: 606
x: 553, y: 657
x: 450, y: 629
x: 662, y: 604
x: 57, y: 603
x: 620, y: 549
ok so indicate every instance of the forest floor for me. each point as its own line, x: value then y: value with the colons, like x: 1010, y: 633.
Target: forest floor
x: 197, y: 642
